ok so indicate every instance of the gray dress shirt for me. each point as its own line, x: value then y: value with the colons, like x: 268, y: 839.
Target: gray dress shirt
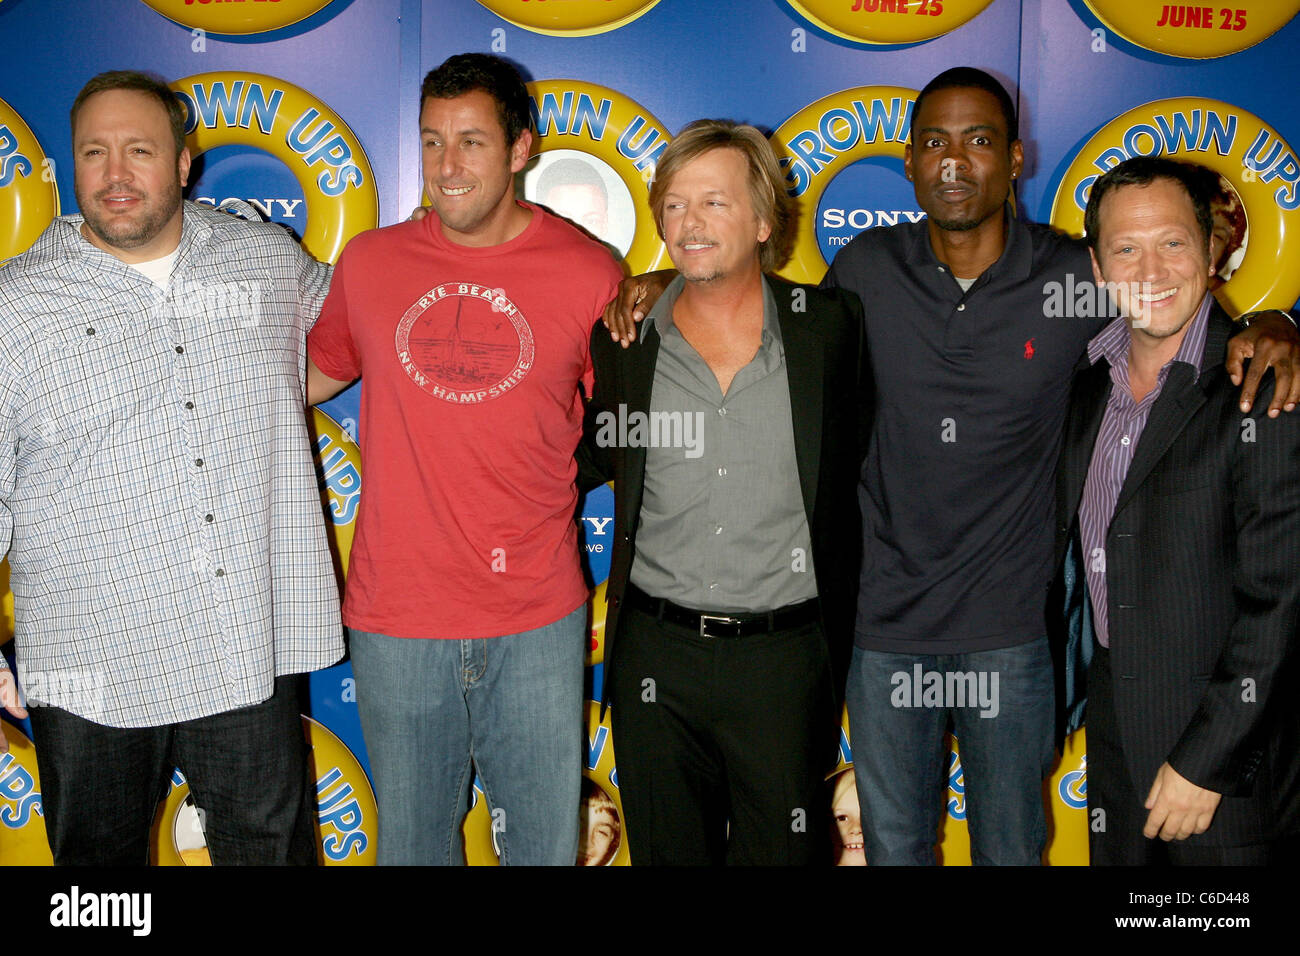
x: 723, y: 526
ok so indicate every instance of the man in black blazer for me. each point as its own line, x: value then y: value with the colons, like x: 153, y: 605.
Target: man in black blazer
x: 734, y: 433
x: 1180, y: 516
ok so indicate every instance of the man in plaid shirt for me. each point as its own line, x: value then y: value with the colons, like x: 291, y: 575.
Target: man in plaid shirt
x: 159, y: 502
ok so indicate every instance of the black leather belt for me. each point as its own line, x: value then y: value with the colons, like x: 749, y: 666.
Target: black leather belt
x: 713, y: 624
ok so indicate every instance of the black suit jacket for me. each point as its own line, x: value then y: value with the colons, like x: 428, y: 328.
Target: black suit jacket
x: 1203, y: 588
x: 831, y: 397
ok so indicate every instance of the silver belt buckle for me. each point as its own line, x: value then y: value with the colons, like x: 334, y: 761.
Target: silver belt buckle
x: 720, y: 618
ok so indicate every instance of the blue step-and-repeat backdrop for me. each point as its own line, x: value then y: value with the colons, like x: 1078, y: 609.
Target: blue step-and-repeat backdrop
x: 309, y: 110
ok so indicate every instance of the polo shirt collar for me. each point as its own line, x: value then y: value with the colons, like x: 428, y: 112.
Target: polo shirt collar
x: 1014, y: 264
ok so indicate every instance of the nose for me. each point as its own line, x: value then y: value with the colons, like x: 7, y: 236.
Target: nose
x: 692, y: 216
x: 116, y: 169
x: 954, y: 155
x: 449, y: 163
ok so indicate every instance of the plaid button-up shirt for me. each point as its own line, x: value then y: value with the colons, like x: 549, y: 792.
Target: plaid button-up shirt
x: 158, y: 496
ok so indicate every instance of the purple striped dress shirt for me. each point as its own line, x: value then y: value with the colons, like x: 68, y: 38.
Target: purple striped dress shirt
x: 1117, y: 440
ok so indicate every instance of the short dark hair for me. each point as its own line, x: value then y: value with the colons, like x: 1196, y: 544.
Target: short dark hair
x: 145, y: 83
x: 1142, y: 171
x: 467, y: 72
x: 570, y: 172
x: 967, y: 77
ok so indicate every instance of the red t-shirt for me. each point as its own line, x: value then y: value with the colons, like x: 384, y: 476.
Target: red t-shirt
x: 470, y: 413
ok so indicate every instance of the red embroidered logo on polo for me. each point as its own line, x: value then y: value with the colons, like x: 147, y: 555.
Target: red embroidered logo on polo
x: 465, y: 343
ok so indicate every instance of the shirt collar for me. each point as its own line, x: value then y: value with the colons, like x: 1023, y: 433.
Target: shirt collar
x: 1112, y: 342
x: 661, y: 315
x: 1017, y: 257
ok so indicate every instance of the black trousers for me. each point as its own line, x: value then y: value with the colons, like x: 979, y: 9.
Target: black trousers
x: 1115, y: 838
x: 247, y: 770
x: 722, y: 744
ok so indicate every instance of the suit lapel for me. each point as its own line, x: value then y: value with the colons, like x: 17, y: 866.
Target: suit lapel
x: 1181, y: 396
x: 804, y: 367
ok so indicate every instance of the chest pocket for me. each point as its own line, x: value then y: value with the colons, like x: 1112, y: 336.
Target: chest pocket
x: 94, y: 369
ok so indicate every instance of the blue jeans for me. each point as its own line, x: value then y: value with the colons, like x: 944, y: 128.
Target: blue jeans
x: 433, y: 710
x: 900, y: 763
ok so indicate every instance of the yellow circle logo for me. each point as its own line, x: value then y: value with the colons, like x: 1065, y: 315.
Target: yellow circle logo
x: 1195, y: 30
x: 1255, y: 162
x: 618, y: 133
x: 889, y: 21
x: 345, y: 810
x: 338, y: 463
x: 326, y: 158
x: 569, y: 18
x: 29, y: 197
x: 22, y: 820
x: 825, y: 138
x: 217, y: 16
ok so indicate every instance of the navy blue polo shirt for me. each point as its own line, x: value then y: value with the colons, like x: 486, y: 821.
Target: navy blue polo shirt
x: 971, y: 394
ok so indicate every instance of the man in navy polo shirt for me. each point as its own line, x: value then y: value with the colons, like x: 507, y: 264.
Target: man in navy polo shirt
x: 972, y: 379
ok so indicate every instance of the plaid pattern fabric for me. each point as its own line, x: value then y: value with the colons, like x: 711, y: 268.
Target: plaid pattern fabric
x: 158, y: 495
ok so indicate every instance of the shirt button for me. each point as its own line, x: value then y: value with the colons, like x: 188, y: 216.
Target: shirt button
x: 1124, y: 440
x: 962, y: 307
x: 718, y: 530
x: 941, y: 269
x: 722, y: 472
x: 198, y: 462
x: 221, y: 572
x: 713, y: 586
x: 722, y: 412
x: 90, y: 331
x: 180, y: 349
x: 189, y: 405
x: 207, y: 518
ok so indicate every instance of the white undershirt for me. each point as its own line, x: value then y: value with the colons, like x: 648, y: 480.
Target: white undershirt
x: 157, y: 271
x: 965, y: 283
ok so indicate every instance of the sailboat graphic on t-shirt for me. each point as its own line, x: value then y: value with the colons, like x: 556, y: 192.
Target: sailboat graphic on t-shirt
x: 464, y: 343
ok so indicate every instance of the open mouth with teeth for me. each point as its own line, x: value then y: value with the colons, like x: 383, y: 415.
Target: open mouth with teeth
x: 455, y: 190
x: 1146, y: 297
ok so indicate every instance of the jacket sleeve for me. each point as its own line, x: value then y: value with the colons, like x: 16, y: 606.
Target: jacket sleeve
x: 595, y: 462
x: 1223, y: 743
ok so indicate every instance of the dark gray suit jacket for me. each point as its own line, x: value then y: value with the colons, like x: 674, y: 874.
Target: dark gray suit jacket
x: 1203, y: 582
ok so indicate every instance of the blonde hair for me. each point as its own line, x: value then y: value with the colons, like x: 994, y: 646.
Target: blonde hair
x: 766, y: 183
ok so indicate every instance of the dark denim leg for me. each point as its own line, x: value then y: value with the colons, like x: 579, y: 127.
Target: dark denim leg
x: 247, y: 770
x: 100, y: 787
x: 899, y: 760
x: 1005, y: 740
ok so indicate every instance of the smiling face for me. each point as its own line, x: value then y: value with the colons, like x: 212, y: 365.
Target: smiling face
x: 469, y: 168
x: 1153, y: 254
x: 960, y: 162
x: 709, y: 223
x: 128, y: 177
x: 848, y: 820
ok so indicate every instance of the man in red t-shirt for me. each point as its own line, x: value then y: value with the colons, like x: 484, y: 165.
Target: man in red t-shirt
x: 465, y: 601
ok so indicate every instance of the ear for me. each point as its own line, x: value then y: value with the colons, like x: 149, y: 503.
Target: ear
x: 764, y: 230
x: 519, y: 152
x: 183, y: 167
x: 1017, y: 159
x: 907, y: 160
x: 1096, y: 269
